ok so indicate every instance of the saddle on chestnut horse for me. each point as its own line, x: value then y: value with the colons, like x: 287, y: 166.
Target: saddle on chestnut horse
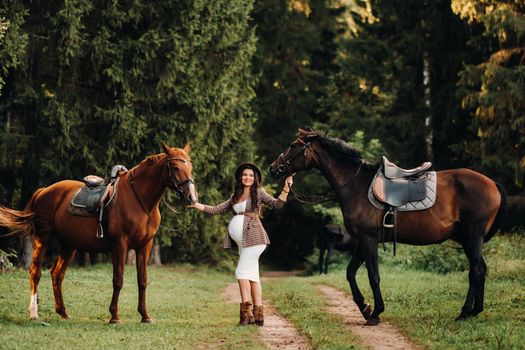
x: 96, y: 195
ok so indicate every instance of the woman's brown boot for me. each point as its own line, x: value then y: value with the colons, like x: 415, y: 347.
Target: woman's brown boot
x: 246, y: 316
x: 258, y: 313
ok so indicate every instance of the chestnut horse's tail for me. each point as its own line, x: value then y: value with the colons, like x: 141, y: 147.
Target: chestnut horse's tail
x: 19, y: 222
x: 500, y: 216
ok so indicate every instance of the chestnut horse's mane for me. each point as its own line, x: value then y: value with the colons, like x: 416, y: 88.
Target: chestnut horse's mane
x: 154, y: 157
x: 151, y: 159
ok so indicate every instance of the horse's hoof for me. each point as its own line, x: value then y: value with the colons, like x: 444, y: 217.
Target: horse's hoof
x: 114, y: 321
x: 373, y: 321
x: 64, y: 315
x: 33, y: 317
x: 476, y: 312
x: 461, y: 317
x: 367, y: 311
x: 146, y: 320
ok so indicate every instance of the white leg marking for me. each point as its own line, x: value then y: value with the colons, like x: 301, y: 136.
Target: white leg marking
x: 33, y: 307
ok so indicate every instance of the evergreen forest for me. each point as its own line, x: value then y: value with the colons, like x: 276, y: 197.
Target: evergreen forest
x: 87, y: 84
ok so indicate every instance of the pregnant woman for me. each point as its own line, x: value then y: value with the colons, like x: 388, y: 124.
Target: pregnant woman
x: 246, y: 231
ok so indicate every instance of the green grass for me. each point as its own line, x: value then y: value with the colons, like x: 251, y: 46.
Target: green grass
x: 189, y: 311
x: 424, y: 304
x: 301, y: 303
x: 186, y: 304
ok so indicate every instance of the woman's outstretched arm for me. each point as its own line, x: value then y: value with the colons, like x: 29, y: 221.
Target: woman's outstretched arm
x: 213, y: 210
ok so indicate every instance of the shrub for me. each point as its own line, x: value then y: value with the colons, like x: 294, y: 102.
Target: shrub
x: 5, y: 263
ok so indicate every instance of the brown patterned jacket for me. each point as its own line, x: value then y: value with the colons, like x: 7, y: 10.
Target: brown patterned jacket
x: 253, y: 230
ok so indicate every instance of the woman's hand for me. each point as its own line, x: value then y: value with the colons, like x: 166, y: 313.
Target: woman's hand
x: 288, y: 183
x: 195, y: 205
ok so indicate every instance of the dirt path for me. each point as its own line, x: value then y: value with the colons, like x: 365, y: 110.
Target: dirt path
x: 382, y: 336
x: 277, y: 332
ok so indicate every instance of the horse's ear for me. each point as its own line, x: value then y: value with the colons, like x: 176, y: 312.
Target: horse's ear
x: 187, y: 148
x: 304, y: 131
x: 164, y: 146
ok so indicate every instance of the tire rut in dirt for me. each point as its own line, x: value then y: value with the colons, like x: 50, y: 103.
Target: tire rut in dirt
x: 277, y: 332
x: 382, y: 336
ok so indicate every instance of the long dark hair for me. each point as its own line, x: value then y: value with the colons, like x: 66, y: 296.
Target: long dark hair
x: 239, y: 187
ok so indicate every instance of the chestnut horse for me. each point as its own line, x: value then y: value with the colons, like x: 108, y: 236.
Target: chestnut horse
x: 132, y: 221
x: 469, y: 209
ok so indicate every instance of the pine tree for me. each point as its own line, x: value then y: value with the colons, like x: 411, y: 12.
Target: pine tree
x: 101, y: 83
x: 492, y: 88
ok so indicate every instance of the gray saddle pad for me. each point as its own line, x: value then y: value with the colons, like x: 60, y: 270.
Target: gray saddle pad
x: 425, y: 203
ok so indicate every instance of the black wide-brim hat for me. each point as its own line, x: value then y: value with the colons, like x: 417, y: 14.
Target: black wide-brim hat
x: 241, y: 167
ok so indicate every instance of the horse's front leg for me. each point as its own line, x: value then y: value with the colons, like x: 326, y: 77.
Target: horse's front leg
x: 370, y: 249
x: 351, y: 271
x: 142, y: 279
x: 119, y: 252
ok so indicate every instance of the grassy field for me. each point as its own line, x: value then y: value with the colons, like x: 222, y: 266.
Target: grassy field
x: 423, y: 304
x: 185, y: 302
x: 189, y: 311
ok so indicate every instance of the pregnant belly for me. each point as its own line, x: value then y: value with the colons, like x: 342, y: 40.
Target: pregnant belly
x: 235, y: 228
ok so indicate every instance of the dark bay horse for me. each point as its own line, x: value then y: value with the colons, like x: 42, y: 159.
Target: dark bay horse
x: 132, y: 221
x: 469, y: 209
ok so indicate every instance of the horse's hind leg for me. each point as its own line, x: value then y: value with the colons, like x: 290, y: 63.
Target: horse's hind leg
x: 119, y: 251
x: 351, y: 271
x: 480, y: 296
x: 57, y: 274
x: 142, y: 279
x: 35, y: 271
x: 473, y: 248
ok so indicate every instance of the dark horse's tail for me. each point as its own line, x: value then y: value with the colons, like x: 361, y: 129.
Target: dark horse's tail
x: 500, y: 216
x: 19, y: 222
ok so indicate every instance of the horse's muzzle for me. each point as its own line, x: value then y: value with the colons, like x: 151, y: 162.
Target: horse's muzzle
x: 191, y: 196
x: 278, y: 172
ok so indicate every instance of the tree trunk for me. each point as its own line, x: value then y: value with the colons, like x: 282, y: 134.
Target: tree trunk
x: 30, y: 171
x: 132, y: 257
x: 84, y: 259
x: 428, y: 104
x: 98, y: 258
x: 25, y: 253
x: 154, y: 258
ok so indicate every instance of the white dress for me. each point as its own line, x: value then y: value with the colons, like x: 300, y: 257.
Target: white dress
x: 248, y: 266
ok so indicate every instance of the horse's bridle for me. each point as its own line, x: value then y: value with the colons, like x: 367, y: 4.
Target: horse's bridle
x: 283, y: 168
x: 177, y: 186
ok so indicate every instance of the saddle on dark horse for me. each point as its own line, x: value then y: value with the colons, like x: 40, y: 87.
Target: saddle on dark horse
x: 95, y: 196
x: 394, y: 188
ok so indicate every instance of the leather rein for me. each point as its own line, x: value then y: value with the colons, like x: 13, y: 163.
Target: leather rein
x: 177, y: 186
x: 284, y: 168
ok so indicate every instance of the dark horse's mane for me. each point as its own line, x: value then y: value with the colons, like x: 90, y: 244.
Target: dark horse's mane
x: 340, y: 148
